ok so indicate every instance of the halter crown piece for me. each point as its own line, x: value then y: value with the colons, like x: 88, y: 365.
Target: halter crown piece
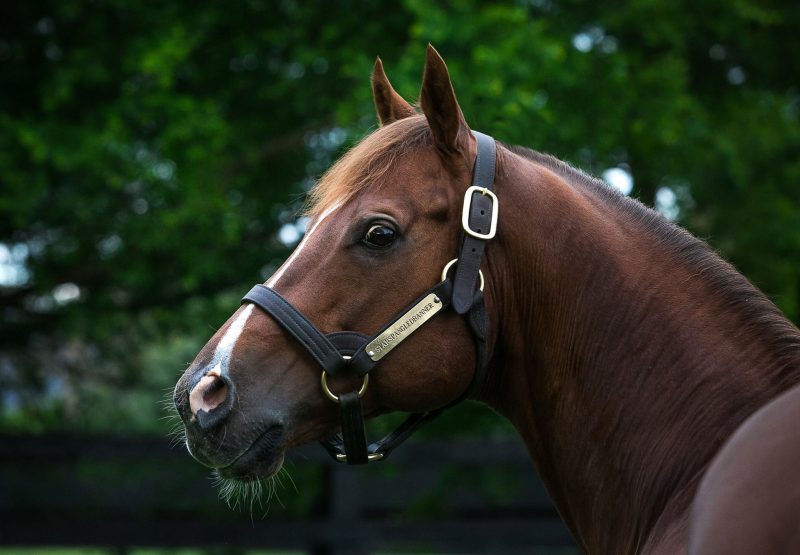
x: 347, y: 351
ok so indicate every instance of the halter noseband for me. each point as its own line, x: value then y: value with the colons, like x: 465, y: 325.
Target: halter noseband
x: 347, y: 351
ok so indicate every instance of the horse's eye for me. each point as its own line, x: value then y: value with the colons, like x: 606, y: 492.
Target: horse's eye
x: 379, y: 236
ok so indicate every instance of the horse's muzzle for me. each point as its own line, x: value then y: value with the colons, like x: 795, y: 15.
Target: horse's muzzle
x: 215, y: 436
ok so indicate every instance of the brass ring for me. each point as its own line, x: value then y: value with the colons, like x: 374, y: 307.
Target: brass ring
x: 335, y: 398
x: 447, y: 269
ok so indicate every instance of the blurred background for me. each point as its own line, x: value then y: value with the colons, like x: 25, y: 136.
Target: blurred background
x: 154, y: 157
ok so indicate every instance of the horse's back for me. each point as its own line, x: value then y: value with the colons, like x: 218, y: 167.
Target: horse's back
x: 749, y: 500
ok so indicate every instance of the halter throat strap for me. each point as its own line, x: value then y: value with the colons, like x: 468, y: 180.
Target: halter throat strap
x: 346, y: 351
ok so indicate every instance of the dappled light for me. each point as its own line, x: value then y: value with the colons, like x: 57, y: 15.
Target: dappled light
x: 13, y: 270
x: 620, y: 179
x: 667, y: 203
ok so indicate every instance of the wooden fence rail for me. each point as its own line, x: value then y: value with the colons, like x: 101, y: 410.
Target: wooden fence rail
x: 120, y: 493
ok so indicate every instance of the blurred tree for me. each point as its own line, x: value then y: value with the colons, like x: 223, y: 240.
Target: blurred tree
x: 149, y: 152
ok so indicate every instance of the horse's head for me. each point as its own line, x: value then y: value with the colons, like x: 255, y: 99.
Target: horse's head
x: 385, y: 220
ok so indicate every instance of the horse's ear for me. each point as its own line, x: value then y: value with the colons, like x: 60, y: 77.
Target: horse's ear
x: 389, y: 105
x: 438, y: 101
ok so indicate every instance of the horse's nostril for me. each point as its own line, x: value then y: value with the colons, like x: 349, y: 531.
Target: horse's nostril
x: 209, y: 393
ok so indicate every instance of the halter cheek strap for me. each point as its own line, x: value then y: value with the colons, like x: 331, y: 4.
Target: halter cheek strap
x: 478, y: 223
x: 350, y: 352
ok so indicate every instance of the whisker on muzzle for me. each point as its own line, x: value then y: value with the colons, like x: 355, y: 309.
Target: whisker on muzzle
x: 239, y: 495
x: 176, y: 431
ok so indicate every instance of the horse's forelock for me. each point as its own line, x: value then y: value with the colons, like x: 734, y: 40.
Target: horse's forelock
x: 367, y: 161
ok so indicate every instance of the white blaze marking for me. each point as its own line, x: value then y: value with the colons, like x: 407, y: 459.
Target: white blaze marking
x: 274, y: 279
x: 224, y: 349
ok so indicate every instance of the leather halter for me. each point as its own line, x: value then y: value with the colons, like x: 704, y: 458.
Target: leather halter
x: 347, y: 351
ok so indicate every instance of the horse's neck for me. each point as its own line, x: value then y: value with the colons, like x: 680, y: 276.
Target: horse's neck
x: 615, y: 359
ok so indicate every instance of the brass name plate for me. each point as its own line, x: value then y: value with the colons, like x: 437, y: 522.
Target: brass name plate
x: 404, y: 326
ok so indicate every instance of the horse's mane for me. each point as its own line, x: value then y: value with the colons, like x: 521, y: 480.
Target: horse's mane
x: 759, y: 317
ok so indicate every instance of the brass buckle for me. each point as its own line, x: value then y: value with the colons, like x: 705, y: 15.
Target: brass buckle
x: 335, y: 398
x: 450, y: 264
x: 468, y: 206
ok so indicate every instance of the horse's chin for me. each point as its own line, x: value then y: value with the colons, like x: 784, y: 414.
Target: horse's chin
x: 263, y: 459
x: 253, y: 470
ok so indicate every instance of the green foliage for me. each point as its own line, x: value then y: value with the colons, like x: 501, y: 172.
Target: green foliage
x: 149, y: 152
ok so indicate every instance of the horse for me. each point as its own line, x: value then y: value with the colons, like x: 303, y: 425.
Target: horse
x: 749, y: 499
x: 623, y: 350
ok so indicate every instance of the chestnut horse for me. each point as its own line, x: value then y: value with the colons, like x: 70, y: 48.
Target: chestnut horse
x: 623, y: 350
